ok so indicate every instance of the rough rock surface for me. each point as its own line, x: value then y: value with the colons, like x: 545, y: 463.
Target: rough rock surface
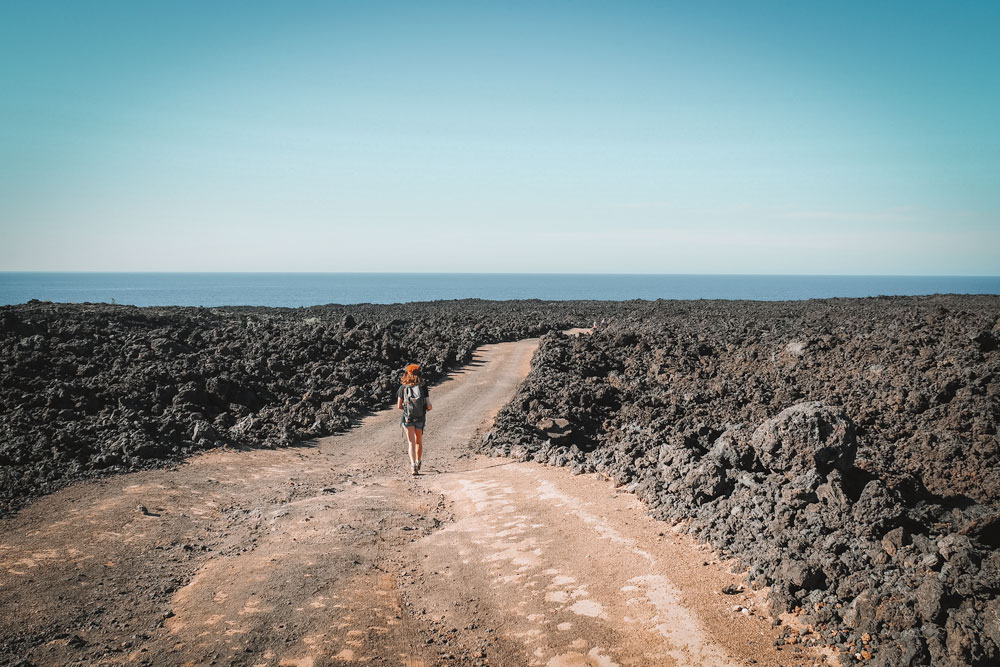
x: 844, y: 450
x: 94, y: 389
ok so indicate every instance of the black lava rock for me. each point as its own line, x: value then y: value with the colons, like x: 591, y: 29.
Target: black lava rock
x: 845, y: 450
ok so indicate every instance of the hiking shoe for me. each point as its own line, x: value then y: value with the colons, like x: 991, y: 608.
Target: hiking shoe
x: 415, y: 468
x: 418, y: 466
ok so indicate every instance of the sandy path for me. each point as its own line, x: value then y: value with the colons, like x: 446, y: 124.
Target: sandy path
x: 332, y: 553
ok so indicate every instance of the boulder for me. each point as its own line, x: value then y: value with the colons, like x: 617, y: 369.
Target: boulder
x: 806, y: 435
x: 559, y: 431
x: 800, y: 574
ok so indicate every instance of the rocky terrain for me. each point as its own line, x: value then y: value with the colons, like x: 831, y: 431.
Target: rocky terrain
x: 845, y: 451
x: 333, y: 553
x: 95, y: 389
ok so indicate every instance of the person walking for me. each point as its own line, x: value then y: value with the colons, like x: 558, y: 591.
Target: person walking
x: 413, y: 400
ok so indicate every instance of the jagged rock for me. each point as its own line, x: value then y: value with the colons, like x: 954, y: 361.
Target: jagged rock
x: 929, y: 598
x: 865, y: 465
x: 558, y: 430
x: 991, y: 620
x: 894, y: 540
x: 806, y: 435
x: 800, y: 575
x: 844, y: 451
x: 112, y: 388
x: 877, y: 510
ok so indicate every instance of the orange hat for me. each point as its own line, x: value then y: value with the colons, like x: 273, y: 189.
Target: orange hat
x: 412, y: 368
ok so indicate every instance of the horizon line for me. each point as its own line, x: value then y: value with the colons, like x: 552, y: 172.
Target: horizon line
x: 516, y: 273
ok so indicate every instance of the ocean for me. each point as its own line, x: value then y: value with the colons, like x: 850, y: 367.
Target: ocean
x: 309, y: 289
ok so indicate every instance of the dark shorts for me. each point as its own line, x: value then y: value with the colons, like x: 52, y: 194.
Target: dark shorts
x: 418, y: 423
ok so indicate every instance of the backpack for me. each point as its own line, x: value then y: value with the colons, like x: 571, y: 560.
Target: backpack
x: 414, y: 403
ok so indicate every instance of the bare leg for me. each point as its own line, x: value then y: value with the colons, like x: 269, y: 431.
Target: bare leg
x: 411, y: 439
x: 418, y: 447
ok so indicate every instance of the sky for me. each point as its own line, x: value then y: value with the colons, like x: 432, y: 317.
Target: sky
x: 594, y: 137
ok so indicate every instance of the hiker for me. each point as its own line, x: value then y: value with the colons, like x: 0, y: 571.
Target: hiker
x: 413, y: 400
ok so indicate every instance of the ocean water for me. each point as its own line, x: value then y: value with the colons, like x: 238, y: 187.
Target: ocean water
x: 309, y: 289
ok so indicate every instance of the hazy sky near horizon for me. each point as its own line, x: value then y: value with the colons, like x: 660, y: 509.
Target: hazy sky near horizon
x: 628, y: 137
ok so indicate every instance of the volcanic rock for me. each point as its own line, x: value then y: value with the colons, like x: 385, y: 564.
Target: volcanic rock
x: 94, y: 389
x: 804, y: 436
x: 844, y: 450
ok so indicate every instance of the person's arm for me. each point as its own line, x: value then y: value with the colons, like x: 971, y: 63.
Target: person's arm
x: 428, y: 399
x: 399, y: 399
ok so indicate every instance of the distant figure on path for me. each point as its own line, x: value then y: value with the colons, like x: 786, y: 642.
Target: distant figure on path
x: 413, y: 400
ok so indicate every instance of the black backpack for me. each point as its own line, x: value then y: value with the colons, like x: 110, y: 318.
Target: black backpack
x: 414, y: 403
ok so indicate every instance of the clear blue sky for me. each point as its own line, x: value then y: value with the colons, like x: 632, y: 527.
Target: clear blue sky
x: 661, y: 137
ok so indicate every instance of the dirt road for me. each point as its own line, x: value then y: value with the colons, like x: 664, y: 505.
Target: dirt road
x: 332, y: 553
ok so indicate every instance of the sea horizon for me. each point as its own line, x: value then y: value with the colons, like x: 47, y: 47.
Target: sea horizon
x: 303, y: 289
x: 507, y: 273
